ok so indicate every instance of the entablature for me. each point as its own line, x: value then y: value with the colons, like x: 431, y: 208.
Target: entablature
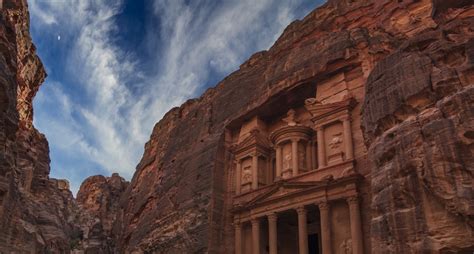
x: 289, y: 133
x: 290, y: 194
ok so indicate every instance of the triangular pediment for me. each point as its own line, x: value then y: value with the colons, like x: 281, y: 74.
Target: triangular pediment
x: 282, y: 189
x: 288, y: 189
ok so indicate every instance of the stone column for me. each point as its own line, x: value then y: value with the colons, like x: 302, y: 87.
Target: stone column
x: 348, y: 138
x: 294, y: 156
x: 238, y: 238
x: 313, y: 154
x: 238, y: 177
x: 271, y: 177
x: 255, y: 236
x: 278, y: 161
x: 356, y: 227
x: 272, y: 233
x: 254, y: 171
x: 325, y: 228
x: 309, y: 163
x: 302, y: 230
x: 321, y: 148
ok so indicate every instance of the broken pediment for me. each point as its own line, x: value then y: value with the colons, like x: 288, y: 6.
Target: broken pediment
x: 325, y: 111
x: 255, y: 139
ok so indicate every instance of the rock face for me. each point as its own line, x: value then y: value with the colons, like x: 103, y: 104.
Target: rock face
x: 401, y: 73
x: 98, y: 199
x: 35, y: 210
x: 409, y: 63
x: 38, y: 214
x: 419, y: 120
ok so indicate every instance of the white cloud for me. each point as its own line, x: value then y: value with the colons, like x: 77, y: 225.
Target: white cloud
x: 111, y: 125
x: 38, y: 10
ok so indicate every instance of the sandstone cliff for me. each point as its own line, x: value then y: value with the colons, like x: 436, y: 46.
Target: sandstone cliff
x: 419, y: 124
x: 409, y: 66
x: 35, y: 210
x: 408, y: 62
x: 98, y: 200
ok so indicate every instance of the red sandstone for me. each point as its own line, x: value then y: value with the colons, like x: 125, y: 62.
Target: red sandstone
x: 354, y: 133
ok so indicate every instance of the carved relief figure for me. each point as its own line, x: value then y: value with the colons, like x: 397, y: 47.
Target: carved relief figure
x: 287, y: 161
x: 290, y: 117
x: 247, y: 175
x: 336, y: 141
x: 346, y: 246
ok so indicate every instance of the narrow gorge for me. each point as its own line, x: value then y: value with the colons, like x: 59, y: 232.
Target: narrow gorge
x: 353, y: 133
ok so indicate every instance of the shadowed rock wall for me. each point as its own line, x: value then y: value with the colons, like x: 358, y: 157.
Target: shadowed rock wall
x: 35, y: 211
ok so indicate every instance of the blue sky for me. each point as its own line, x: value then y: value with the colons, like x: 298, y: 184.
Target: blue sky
x: 115, y: 67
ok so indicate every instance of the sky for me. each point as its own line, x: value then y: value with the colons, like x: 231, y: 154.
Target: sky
x: 116, y: 67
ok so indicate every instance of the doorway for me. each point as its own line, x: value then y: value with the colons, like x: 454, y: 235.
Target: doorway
x: 313, y: 244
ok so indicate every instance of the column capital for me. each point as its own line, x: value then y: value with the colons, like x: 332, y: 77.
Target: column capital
x: 301, y: 210
x: 353, y: 200
x: 272, y: 216
x: 346, y: 118
x: 237, y: 224
x: 324, y: 205
x: 319, y: 128
x: 302, y: 230
x: 325, y: 226
x: 295, y: 139
x: 255, y: 220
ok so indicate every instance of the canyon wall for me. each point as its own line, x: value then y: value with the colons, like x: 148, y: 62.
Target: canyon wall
x: 409, y: 63
x: 98, y: 200
x: 419, y: 124
x: 34, y: 209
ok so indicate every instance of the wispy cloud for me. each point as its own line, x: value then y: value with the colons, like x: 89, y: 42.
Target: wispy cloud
x: 100, y: 105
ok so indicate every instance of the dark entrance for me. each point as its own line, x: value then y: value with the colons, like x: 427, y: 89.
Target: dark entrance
x: 313, y: 244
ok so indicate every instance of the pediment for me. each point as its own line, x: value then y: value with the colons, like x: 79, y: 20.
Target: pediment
x: 282, y: 189
x: 256, y: 138
x: 287, y: 190
x: 320, y: 110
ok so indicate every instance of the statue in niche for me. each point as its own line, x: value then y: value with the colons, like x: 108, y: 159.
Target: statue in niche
x: 346, y: 246
x: 336, y: 141
x: 287, y: 161
x: 290, y: 117
x: 247, y: 175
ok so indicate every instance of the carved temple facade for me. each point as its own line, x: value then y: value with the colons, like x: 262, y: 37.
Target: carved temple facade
x: 295, y: 181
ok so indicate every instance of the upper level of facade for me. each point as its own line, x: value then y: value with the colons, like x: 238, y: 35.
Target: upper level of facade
x: 309, y: 143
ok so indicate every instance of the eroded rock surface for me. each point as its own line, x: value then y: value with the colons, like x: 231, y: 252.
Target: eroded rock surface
x: 99, y: 199
x: 408, y: 63
x: 408, y: 67
x: 418, y: 120
x: 36, y: 211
